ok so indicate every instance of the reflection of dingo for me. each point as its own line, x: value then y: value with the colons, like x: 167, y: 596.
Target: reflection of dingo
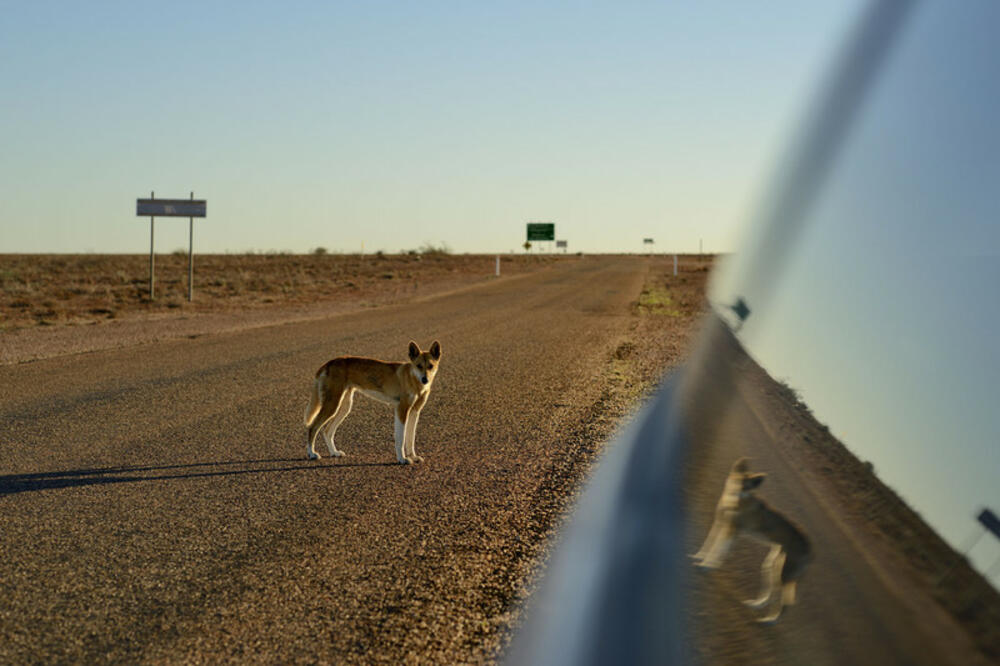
x: 739, y: 511
x: 403, y: 385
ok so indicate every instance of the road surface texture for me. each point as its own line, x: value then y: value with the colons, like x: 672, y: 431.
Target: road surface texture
x: 860, y: 601
x: 156, y: 503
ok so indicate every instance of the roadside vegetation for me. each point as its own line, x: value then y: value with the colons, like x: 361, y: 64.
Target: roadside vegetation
x: 48, y: 290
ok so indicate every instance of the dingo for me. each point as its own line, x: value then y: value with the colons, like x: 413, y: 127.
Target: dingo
x: 404, y: 385
x: 739, y: 511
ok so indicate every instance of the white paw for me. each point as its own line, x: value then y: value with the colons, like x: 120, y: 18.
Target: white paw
x: 338, y: 454
x: 769, y: 619
x: 703, y: 564
x: 405, y: 461
x: 417, y: 459
x: 755, y: 603
x: 313, y: 455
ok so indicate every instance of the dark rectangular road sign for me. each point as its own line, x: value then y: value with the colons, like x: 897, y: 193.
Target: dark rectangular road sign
x: 990, y: 521
x: 170, y: 207
x: 541, y: 231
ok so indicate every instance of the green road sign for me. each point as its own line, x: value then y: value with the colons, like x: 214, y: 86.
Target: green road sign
x: 541, y: 231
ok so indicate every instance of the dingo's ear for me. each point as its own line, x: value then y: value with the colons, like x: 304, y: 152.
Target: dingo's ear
x: 435, y: 350
x: 414, y: 351
x: 754, y: 481
x: 742, y: 465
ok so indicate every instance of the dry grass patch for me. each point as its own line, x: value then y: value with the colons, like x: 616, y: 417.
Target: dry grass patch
x: 44, y: 290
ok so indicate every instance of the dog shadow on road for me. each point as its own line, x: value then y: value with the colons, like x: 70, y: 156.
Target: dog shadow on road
x: 11, y: 484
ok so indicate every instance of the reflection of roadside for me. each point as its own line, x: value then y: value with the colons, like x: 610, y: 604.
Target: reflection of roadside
x: 865, y: 537
x: 907, y: 550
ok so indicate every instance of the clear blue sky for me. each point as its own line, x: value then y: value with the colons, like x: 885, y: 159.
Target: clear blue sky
x: 394, y: 124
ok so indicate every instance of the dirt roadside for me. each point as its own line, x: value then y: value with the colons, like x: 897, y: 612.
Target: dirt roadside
x: 52, y: 305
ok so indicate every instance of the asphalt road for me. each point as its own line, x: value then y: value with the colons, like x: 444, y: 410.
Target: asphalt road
x: 156, y: 503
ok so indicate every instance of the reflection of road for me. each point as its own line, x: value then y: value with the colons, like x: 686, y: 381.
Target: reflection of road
x: 848, y: 612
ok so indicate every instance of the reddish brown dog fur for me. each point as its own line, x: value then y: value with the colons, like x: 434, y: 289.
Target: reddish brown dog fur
x: 405, y: 386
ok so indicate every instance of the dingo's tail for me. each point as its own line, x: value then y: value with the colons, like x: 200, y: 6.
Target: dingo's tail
x: 315, y: 402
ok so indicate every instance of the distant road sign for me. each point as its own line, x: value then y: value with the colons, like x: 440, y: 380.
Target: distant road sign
x: 560, y: 243
x: 541, y: 231
x: 647, y: 241
x: 153, y: 208
x: 170, y: 207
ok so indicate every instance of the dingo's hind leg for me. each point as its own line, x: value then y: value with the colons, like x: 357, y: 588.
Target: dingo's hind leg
x: 788, y: 593
x: 346, y: 402
x: 329, y: 407
x: 777, y: 598
x: 766, y: 579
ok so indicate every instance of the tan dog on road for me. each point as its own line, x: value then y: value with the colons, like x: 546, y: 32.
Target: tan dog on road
x: 740, y: 512
x: 405, y: 386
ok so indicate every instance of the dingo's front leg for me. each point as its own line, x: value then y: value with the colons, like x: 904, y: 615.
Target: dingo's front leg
x: 410, y: 436
x: 410, y: 431
x: 402, y: 414
x: 718, y: 549
x: 713, y: 534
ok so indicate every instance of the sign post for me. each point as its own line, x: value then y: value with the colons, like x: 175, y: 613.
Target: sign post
x: 990, y: 523
x: 152, y: 294
x: 189, y: 208
x: 191, y: 256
